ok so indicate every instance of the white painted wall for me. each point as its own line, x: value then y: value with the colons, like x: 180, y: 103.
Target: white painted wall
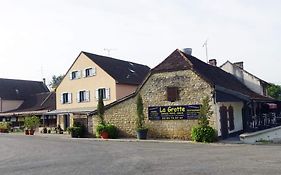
x: 272, y: 134
x: 237, y: 110
x: 250, y: 81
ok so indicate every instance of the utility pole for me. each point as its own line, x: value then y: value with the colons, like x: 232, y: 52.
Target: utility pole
x: 206, y: 47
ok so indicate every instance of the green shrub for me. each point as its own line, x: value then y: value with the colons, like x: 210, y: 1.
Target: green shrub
x: 75, y: 132
x: 112, y: 131
x: 203, y: 134
x: 5, y: 126
x: 100, y: 128
x: 31, y: 122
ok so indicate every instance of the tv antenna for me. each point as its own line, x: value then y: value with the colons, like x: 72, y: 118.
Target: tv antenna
x: 206, y: 47
x: 108, y: 50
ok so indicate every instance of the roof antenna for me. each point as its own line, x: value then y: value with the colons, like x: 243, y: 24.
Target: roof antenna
x: 206, y: 47
x: 108, y: 50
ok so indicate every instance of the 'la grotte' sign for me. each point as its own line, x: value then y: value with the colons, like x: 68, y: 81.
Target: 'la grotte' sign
x: 173, y: 112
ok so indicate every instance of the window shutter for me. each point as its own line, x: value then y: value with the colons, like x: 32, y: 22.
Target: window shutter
x: 69, y: 98
x: 78, y: 96
x: 61, y: 98
x: 231, y: 118
x: 93, y: 72
x: 84, y: 73
x: 70, y: 75
x: 87, y: 95
x: 79, y: 74
x: 172, y: 94
x: 107, y: 94
x: 97, y: 94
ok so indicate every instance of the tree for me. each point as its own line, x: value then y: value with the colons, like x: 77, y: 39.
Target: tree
x: 100, y: 110
x: 274, y: 91
x: 55, y: 81
x: 140, y: 114
x: 205, y: 112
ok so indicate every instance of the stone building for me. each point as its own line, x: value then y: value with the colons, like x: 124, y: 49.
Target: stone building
x: 181, y: 81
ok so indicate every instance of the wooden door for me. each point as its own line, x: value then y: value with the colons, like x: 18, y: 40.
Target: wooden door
x: 223, y: 122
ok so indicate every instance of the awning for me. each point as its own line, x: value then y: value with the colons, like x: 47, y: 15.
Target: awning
x: 74, y: 111
x: 272, y: 105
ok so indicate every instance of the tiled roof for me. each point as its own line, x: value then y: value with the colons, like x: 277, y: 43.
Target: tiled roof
x: 123, y: 72
x: 178, y: 60
x: 11, y: 89
x: 37, y: 102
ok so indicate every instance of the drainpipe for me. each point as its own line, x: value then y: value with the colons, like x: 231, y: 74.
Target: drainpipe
x: 1, y: 104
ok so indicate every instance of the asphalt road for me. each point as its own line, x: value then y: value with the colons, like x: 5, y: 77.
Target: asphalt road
x: 28, y: 155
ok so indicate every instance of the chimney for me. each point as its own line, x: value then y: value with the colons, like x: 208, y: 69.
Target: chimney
x: 213, y: 62
x: 44, y: 80
x: 187, y: 51
x: 239, y: 64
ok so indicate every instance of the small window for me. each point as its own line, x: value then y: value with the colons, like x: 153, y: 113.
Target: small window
x: 172, y: 94
x: 89, y: 72
x: 66, y: 98
x: 83, y: 96
x: 103, y: 93
x: 75, y: 75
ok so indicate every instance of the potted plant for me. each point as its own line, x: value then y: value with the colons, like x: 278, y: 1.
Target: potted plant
x: 141, y: 129
x: 101, y: 130
x: 5, y: 127
x: 75, y: 131
x: 30, y: 124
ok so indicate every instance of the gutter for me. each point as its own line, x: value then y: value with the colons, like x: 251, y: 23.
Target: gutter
x: 1, y: 106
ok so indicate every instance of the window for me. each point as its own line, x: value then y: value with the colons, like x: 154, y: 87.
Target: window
x: 103, y: 93
x: 75, y: 75
x: 65, y: 98
x: 89, y: 72
x: 172, y: 94
x: 83, y: 96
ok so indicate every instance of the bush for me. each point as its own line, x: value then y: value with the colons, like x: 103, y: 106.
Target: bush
x: 31, y: 122
x: 109, y: 128
x: 5, y: 127
x: 75, y: 132
x: 112, y: 131
x: 203, y: 134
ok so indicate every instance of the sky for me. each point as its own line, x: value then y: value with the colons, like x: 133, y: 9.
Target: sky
x: 42, y: 38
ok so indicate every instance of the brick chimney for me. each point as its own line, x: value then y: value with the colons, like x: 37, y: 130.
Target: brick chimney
x: 213, y: 62
x: 239, y: 64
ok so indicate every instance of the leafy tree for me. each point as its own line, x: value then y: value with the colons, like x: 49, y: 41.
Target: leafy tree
x: 274, y: 91
x: 55, y: 81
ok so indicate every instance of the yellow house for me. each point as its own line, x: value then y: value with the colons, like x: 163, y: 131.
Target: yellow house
x: 92, y: 76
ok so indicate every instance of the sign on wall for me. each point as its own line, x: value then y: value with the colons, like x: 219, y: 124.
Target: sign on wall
x: 173, y: 112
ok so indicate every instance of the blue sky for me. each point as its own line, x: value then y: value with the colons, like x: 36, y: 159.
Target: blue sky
x: 42, y: 38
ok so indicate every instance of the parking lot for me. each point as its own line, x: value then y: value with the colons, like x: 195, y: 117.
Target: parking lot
x: 27, y: 155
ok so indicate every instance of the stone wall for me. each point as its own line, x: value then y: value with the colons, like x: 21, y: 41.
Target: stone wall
x: 192, y: 90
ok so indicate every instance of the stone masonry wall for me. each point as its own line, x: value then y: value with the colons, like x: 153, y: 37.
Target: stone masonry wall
x: 192, y: 90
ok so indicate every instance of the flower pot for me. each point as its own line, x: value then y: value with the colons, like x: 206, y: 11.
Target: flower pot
x: 31, y: 132
x: 26, y: 132
x: 104, y: 135
x: 142, y: 134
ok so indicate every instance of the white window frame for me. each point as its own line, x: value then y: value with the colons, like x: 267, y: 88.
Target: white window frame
x: 69, y: 98
x: 86, y: 96
x: 92, y: 72
x: 107, y: 93
x: 77, y: 75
